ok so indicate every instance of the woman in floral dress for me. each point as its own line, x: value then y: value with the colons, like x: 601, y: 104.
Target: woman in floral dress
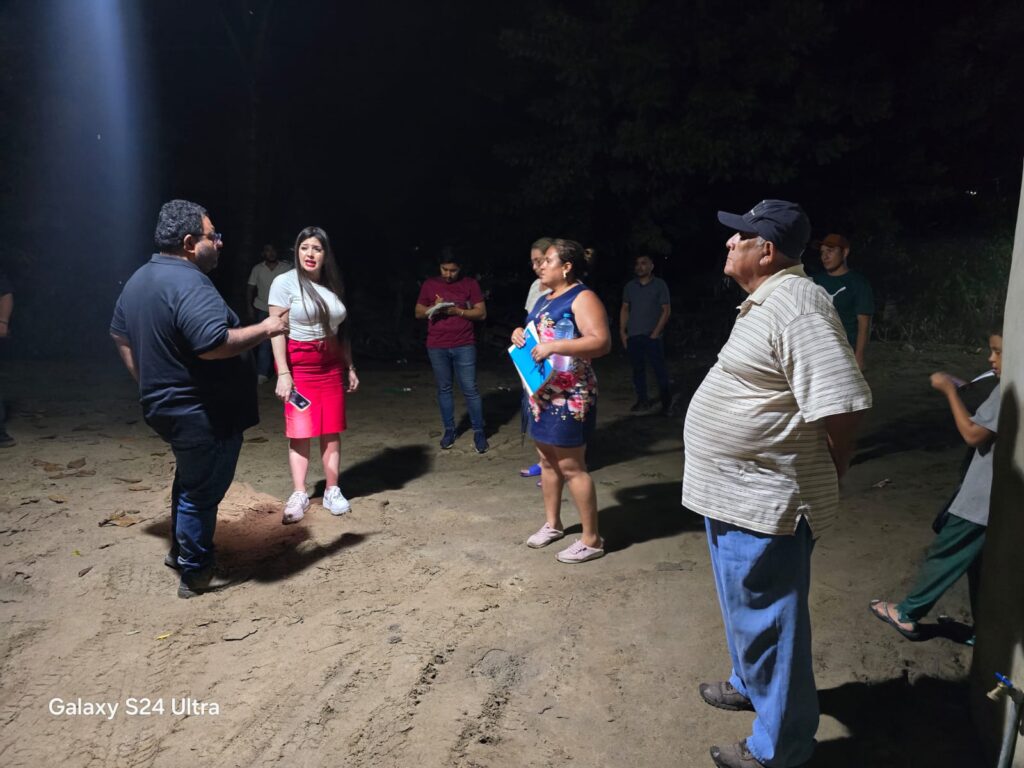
x: 563, y: 413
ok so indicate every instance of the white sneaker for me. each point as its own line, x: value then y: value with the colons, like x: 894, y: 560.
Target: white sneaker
x: 295, y: 507
x: 335, y: 502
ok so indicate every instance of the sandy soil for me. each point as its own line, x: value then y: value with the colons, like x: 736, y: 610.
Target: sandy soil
x: 419, y: 630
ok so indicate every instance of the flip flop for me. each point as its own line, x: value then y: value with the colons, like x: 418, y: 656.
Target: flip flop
x: 910, y: 634
x: 532, y: 471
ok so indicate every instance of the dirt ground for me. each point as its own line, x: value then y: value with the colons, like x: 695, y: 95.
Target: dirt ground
x: 418, y: 630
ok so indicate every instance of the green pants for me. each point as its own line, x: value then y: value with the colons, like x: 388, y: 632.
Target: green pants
x: 955, y: 551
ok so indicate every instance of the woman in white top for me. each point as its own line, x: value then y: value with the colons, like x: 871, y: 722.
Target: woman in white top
x: 537, y: 251
x: 312, y: 364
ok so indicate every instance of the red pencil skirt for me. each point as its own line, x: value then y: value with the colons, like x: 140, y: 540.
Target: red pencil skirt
x: 317, y: 370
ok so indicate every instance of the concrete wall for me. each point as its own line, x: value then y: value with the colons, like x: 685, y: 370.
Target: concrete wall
x: 1000, y: 623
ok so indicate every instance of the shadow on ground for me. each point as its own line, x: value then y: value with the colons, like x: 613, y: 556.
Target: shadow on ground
x: 388, y: 470
x: 501, y: 407
x: 912, y: 432
x: 642, y: 513
x: 947, y: 628
x: 896, y: 722
x: 253, y: 544
x: 632, y: 437
x: 290, y: 560
x: 251, y: 540
x: 929, y: 428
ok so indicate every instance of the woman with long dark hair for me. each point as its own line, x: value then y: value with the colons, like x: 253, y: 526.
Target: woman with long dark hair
x: 313, y: 365
x: 564, y: 411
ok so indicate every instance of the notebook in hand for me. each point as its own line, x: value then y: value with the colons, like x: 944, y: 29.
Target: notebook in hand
x: 435, y: 308
x: 534, y: 375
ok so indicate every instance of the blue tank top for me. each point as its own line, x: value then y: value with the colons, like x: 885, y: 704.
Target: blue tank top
x: 574, y: 390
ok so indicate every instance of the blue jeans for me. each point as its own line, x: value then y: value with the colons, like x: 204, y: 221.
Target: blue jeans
x: 463, y: 361
x: 204, y: 469
x: 264, y: 352
x: 644, y: 348
x: 762, y: 583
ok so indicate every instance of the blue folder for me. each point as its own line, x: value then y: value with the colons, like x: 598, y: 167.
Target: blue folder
x: 534, y: 375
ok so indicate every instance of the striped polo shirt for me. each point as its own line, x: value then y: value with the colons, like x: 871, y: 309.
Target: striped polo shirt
x: 756, y: 450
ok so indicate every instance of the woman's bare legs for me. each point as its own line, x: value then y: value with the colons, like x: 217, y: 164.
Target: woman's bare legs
x: 551, y: 482
x: 567, y: 466
x: 330, y: 454
x: 298, y: 461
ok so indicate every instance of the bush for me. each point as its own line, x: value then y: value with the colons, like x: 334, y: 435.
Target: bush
x: 948, y: 290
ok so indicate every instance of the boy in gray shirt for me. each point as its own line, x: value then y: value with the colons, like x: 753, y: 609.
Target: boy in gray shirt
x: 957, y: 547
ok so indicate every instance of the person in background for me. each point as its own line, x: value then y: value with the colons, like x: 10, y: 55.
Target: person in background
x: 646, y: 306
x: 451, y: 303
x: 182, y: 344
x: 767, y: 436
x: 959, y: 542
x: 6, y: 308
x: 850, y: 292
x: 314, y: 367
x: 257, y: 290
x: 564, y: 411
x: 536, y: 291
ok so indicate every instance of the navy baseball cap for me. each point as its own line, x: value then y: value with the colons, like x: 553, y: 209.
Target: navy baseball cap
x: 778, y: 221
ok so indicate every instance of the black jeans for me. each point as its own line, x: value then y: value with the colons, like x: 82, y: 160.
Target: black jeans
x: 644, y: 348
x: 204, y: 468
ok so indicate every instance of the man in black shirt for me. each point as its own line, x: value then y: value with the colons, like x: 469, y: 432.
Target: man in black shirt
x: 184, y: 346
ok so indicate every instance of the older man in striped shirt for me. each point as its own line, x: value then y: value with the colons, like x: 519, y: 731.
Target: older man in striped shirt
x: 768, y: 434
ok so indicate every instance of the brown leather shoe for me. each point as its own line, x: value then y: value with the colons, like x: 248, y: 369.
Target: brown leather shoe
x: 735, y: 756
x: 201, y: 582
x: 724, y: 696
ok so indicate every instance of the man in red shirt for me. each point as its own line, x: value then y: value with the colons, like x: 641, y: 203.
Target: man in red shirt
x: 451, y: 303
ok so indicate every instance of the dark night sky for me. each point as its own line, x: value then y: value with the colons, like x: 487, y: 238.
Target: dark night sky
x: 401, y: 123
x: 373, y: 111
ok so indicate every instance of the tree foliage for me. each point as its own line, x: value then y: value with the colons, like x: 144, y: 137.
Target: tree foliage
x: 641, y: 111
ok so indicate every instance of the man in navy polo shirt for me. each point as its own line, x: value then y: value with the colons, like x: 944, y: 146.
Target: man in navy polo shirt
x: 182, y: 344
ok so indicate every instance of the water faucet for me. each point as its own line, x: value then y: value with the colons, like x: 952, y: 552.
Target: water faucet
x: 1006, y: 689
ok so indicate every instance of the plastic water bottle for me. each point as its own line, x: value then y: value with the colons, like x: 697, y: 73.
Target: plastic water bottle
x: 564, y: 329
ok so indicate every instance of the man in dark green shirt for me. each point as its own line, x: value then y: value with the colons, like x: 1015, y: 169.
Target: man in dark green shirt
x: 850, y: 291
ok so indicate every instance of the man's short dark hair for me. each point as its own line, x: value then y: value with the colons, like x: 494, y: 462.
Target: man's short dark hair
x: 177, y: 218
x: 448, y: 256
